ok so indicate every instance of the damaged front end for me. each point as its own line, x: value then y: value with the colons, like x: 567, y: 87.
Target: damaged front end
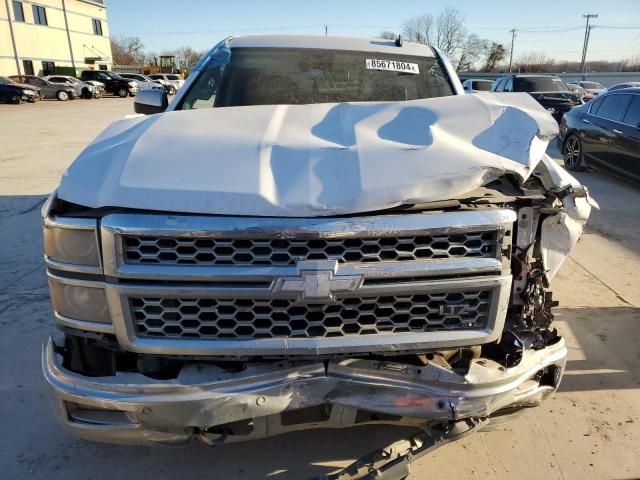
x: 273, y: 308
x: 167, y: 364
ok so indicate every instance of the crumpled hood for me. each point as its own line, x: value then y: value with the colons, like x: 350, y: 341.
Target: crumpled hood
x: 310, y: 160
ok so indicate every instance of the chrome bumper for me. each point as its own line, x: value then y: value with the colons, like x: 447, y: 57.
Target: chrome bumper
x: 134, y: 409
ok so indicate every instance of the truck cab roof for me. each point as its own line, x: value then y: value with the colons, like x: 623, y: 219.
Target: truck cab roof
x: 331, y: 43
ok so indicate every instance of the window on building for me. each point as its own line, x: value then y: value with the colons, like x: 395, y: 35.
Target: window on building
x: 18, y: 12
x: 27, y: 66
x: 39, y: 15
x: 48, y: 68
x: 97, y: 26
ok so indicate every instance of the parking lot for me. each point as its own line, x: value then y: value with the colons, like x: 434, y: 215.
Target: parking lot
x: 590, y: 429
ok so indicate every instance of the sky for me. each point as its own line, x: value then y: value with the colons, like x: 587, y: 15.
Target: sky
x: 166, y: 25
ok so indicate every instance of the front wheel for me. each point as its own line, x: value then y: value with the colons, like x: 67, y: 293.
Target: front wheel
x: 122, y: 93
x: 572, y: 153
x: 86, y: 94
x: 62, y: 96
x: 172, y: 91
x: 15, y: 99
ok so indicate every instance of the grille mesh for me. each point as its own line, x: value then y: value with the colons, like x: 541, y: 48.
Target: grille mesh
x: 220, y: 251
x: 219, y: 318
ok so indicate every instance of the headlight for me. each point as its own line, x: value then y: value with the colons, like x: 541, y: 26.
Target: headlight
x: 29, y: 92
x: 551, y: 110
x: 72, y: 243
x: 132, y: 84
x: 78, y: 300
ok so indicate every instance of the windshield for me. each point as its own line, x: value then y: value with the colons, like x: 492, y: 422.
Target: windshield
x: 173, y: 77
x: 595, y: 85
x: 539, y: 84
x: 482, y: 85
x: 273, y: 76
x: 6, y: 81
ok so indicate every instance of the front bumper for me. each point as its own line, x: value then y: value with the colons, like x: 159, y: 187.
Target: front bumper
x: 131, y: 408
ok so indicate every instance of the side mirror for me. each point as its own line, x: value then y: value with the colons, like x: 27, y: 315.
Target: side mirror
x: 151, y: 101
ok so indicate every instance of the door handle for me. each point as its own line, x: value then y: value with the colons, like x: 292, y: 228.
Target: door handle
x: 617, y: 131
x: 584, y: 120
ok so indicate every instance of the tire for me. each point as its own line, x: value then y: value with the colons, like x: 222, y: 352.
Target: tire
x: 15, y: 99
x: 122, y: 92
x: 62, y: 95
x: 86, y: 94
x: 572, y: 153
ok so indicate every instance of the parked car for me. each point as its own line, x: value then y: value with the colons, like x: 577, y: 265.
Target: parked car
x: 168, y: 86
x: 49, y: 89
x: 604, y: 133
x: 594, y: 88
x: 113, y: 83
x: 144, y: 81
x: 581, y: 92
x: 330, y: 254
x: 12, y: 92
x: 475, y: 85
x: 550, y: 91
x: 88, y: 90
x: 620, y: 86
x: 174, y: 79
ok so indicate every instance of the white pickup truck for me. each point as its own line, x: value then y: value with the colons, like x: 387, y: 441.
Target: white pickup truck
x: 316, y: 232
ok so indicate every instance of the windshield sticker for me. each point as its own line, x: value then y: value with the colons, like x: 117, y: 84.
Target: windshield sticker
x: 392, y: 66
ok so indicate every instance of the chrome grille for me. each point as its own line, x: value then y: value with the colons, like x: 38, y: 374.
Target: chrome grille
x: 220, y: 318
x: 280, y: 251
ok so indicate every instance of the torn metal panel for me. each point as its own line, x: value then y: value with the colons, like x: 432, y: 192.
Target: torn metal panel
x: 560, y: 232
x: 310, y: 160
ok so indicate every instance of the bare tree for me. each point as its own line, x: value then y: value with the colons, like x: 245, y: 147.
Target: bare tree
x: 450, y: 31
x: 419, y: 29
x: 387, y: 35
x: 127, y: 50
x: 631, y: 64
x: 187, y: 57
x: 447, y: 32
x: 495, y: 53
x: 535, y: 62
x: 470, y: 52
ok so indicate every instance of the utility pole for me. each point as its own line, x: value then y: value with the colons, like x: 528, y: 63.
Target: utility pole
x: 513, y: 39
x: 326, y: 29
x: 587, y: 31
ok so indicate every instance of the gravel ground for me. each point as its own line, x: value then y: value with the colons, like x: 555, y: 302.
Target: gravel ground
x: 590, y: 429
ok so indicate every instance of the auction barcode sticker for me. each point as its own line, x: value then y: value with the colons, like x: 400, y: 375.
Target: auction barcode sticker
x: 392, y: 65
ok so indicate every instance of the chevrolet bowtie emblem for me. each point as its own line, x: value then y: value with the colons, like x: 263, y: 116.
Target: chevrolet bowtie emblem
x: 317, y: 281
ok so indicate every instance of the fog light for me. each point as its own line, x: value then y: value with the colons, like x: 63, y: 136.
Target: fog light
x: 78, y: 301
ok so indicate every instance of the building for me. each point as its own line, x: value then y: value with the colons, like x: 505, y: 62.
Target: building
x: 53, y: 36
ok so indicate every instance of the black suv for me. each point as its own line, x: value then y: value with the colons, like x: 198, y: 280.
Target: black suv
x: 550, y: 91
x: 113, y: 83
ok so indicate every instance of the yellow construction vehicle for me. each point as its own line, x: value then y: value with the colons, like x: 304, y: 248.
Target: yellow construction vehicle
x: 167, y: 64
